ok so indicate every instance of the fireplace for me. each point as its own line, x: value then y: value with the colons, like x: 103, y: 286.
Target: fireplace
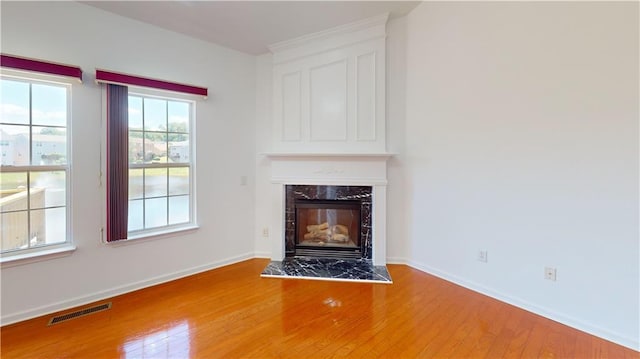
x: 327, y: 177
x: 327, y: 228
x: 328, y: 221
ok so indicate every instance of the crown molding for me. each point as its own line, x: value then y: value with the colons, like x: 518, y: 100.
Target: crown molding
x: 351, y: 29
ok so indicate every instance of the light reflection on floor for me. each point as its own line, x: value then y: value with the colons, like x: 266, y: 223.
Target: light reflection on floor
x: 169, y: 343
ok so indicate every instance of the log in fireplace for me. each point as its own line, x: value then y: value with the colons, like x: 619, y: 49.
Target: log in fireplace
x: 328, y: 228
x: 328, y: 221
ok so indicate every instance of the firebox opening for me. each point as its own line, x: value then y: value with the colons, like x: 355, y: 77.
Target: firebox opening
x: 326, y: 227
x: 330, y: 209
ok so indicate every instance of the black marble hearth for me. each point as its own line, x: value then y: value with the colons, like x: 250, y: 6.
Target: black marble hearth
x: 357, y: 270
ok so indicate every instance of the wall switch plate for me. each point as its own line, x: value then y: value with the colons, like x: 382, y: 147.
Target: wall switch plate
x: 265, y: 232
x: 550, y: 273
x: 483, y: 256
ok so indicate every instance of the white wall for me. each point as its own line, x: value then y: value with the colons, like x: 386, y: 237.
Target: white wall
x: 264, y: 136
x: 522, y: 140
x: 77, y: 34
x: 397, y: 194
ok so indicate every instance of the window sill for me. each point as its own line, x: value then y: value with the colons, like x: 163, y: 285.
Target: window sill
x: 161, y: 233
x: 38, y: 256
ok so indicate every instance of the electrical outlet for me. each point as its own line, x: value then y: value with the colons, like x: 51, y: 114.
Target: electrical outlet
x: 483, y: 256
x: 550, y: 273
x: 265, y: 232
x: 243, y: 180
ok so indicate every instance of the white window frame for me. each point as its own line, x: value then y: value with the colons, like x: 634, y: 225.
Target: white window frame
x: 169, y: 229
x: 47, y: 251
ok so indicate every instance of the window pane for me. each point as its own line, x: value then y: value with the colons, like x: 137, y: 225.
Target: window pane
x: 155, y: 148
x: 179, y: 151
x: 136, y: 215
x: 48, y: 189
x: 155, y: 182
x: 179, y: 181
x: 14, y: 233
x: 178, y: 116
x: 178, y: 209
x: 33, y: 204
x: 14, y: 102
x: 48, y: 226
x: 136, y: 183
x: 155, y: 212
x: 15, y: 145
x: 159, y: 136
x: 136, y: 150
x: 49, y: 105
x: 135, y: 113
x: 49, y: 146
x: 13, y: 191
x: 155, y: 114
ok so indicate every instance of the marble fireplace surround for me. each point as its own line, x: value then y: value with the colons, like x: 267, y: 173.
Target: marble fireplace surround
x: 361, y: 194
x: 331, y: 170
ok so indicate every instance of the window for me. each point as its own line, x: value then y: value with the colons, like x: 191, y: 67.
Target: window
x: 149, y: 162
x: 34, y: 172
x: 160, y: 164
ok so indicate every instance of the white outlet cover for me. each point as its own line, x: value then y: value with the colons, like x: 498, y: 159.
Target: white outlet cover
x: 550, y: 273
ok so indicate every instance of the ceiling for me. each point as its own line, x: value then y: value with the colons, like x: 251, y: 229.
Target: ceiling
x: 249, y: 26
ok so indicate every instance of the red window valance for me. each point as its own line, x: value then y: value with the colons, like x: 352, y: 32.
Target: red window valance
x: 103, y: 76
x: 23, y: 63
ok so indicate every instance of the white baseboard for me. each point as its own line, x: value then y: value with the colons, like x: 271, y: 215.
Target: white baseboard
x: 397, y: 260
x: 632, y: 343
x: 112, y: 292
x: 262, y: 255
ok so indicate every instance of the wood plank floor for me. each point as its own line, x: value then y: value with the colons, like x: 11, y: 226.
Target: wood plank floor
x: 231, y: 312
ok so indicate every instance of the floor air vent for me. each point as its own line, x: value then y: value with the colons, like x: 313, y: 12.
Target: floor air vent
x: 79, y: 313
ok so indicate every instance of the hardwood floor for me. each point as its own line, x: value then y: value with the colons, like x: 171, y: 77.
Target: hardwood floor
x: 231, y: 312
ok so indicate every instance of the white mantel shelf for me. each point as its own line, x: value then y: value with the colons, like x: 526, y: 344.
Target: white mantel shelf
x: 283, y: 155
x: 329, y: 168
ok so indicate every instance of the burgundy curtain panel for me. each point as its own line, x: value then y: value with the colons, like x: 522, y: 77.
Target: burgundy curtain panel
x: 117, y: 162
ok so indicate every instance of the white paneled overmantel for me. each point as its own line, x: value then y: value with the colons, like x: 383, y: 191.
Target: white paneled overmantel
x: 329, y: 90
x: 329, y: 120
